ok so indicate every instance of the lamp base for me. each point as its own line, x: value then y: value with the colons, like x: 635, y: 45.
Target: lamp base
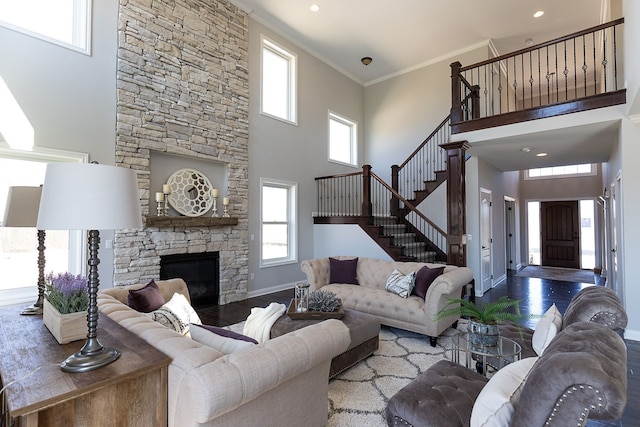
x: 32, y: 310
x: 81, y: 362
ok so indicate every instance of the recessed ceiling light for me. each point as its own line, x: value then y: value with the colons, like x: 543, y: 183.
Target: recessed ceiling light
x: 541, y: 154
x: 314, y: 8
x: 538, y: 14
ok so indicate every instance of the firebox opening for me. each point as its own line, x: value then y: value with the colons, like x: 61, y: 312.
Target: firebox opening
x: 200, y: 271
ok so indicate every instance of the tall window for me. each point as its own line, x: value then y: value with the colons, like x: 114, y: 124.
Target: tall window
x: 63, y: 22
x: 19, y: 246
x: 343, y: 137
x: 278, y: 233
x: 278, y: 82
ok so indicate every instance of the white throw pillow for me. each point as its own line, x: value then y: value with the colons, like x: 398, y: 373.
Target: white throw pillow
x: 498, y: 400
x: 223, y: 340
x: 546, y: 329
x: 176, y: 314
x: 401, y: 284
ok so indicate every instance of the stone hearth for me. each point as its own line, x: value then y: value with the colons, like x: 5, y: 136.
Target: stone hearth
x: 182, y: 79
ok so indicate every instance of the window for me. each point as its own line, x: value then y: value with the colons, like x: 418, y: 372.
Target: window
x: 18, y: 246
x: 278, y: 233
x: 343, y: 139
x: 561, y: 171
x: 63, y: 22
x: 278, y: 82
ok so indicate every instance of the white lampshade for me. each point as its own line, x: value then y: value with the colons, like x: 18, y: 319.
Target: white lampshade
x: 87, y: 196
x: 22, y: 207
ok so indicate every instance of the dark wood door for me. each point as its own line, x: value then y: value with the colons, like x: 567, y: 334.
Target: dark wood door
x: 560, y: 227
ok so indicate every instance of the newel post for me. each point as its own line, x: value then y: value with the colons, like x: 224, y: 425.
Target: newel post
x: 395, y: 202
x: 456, y: 203
x: 367, y: 208
x: 456, y: 97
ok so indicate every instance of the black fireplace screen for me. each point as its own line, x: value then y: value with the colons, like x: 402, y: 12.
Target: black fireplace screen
x: 200, y: 271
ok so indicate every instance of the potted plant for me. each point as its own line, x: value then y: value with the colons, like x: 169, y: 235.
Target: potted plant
x: 484, y: 319
x: 65, y: 306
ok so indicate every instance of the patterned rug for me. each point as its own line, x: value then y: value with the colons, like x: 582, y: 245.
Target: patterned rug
x: 555, y: 273
x: 358, y: 397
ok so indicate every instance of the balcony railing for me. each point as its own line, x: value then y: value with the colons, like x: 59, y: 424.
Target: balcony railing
x: 573, y: 73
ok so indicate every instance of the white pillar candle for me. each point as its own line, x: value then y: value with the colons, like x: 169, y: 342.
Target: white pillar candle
x: 214, y: 192
x: 225, y: 201
x: 166, y: 188
x: 159, y: 197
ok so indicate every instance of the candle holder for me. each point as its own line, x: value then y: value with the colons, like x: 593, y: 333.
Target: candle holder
x: 165, y: 208
x: 215, y: 207
x: 160, y: 208
x: 301, y: 297
x: 225, y: 214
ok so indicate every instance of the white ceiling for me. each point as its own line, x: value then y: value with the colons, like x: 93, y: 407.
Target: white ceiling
x: 405, y: 34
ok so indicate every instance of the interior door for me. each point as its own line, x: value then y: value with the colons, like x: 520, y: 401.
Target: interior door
x: 560, y: 229
x: 510, y: 234
x: 486, y: 240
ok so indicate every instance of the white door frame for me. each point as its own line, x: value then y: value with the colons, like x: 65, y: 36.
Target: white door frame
x: 486, y: 240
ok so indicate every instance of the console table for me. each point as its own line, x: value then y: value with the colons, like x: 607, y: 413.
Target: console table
x: 130, y: 391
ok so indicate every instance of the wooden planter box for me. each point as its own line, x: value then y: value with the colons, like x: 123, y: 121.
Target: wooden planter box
x: 65, y: 327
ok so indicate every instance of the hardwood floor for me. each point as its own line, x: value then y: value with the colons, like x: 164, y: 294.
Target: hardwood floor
x: 536, y: 296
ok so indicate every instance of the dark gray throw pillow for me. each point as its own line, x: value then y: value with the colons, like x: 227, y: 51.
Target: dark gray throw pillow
x: 424, y: 278
x: 146, y: 299
x: 343, y: 271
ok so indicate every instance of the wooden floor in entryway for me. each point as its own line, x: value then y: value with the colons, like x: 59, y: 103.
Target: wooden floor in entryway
x: 536, y: 295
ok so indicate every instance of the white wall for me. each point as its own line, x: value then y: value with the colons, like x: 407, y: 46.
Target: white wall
x: 69, y: 97
x: 282, y: 151
x: 345, y: 239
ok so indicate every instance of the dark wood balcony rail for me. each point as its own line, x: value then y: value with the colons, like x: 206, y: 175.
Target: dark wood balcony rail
x: 422, y: 164
x: 579, y: 66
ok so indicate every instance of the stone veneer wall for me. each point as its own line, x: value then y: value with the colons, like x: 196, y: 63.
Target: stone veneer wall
x: 183, y: 89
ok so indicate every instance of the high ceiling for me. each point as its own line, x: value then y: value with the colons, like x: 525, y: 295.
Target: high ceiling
x: 407, y: 34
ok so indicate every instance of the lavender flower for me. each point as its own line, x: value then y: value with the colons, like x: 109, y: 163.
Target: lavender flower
x: 66, y: 292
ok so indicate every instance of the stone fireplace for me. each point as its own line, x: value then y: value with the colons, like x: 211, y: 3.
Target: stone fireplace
x: 182, y: 91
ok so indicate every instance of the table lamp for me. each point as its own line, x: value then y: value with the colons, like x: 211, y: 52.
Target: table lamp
x: 89, y: 196
x: 22, y: 211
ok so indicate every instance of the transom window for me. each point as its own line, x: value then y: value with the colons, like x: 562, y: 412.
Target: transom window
x: 278, y: 231
x: 343, y: 137
x: 561, y: 171
x: 63, y: 22
x: 278, y: 82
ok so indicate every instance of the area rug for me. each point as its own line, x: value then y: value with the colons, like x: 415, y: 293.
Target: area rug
x: 555, y: 273
x: 358, y: 396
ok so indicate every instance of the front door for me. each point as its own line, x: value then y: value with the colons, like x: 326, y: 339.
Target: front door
x: 560, y: 234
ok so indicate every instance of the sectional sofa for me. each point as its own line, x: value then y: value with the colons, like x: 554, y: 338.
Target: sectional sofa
x: 365, y: 290
x: 280, y: 382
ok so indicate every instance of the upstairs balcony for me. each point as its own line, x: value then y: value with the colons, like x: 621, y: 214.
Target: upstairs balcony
x: 577, y: 72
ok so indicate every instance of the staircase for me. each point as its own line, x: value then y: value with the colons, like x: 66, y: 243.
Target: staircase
x: 411, y: 246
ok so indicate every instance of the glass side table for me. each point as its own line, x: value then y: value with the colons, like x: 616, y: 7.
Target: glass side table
x: 496, y: 357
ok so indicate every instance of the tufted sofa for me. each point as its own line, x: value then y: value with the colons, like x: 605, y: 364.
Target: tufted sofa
x: 370, y: 296
x: 283, y: 381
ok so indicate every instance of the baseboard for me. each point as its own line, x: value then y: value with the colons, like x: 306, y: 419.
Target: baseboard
x: 499, y: 280
x: 272, y: 289
x: 632, y: 335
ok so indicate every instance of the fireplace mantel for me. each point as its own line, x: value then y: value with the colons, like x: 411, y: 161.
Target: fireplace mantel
x: 187, y: 221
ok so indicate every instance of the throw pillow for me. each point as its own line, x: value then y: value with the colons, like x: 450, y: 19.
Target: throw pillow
x: 223, y: 340
x: 546, y: 329
x: 401, y: 284
x: 176, y: 314
x: 498, y: 399
x: 146, y: 299
x: 343, y: 271
x: 424, y: 278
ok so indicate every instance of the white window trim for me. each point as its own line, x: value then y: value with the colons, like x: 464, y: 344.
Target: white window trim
x: 293, y: 223
x: 594, y: 171
x: 292, y: 112
x: 81, y: 29
x: 354, y: 138
x: 77, y: 240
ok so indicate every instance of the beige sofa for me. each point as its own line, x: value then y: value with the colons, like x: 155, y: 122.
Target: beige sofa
x: 370, y: 296
x: 283, y: 381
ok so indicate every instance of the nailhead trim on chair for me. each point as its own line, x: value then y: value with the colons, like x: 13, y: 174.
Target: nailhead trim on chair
x: 612, y: 319
x: 582, y: 420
